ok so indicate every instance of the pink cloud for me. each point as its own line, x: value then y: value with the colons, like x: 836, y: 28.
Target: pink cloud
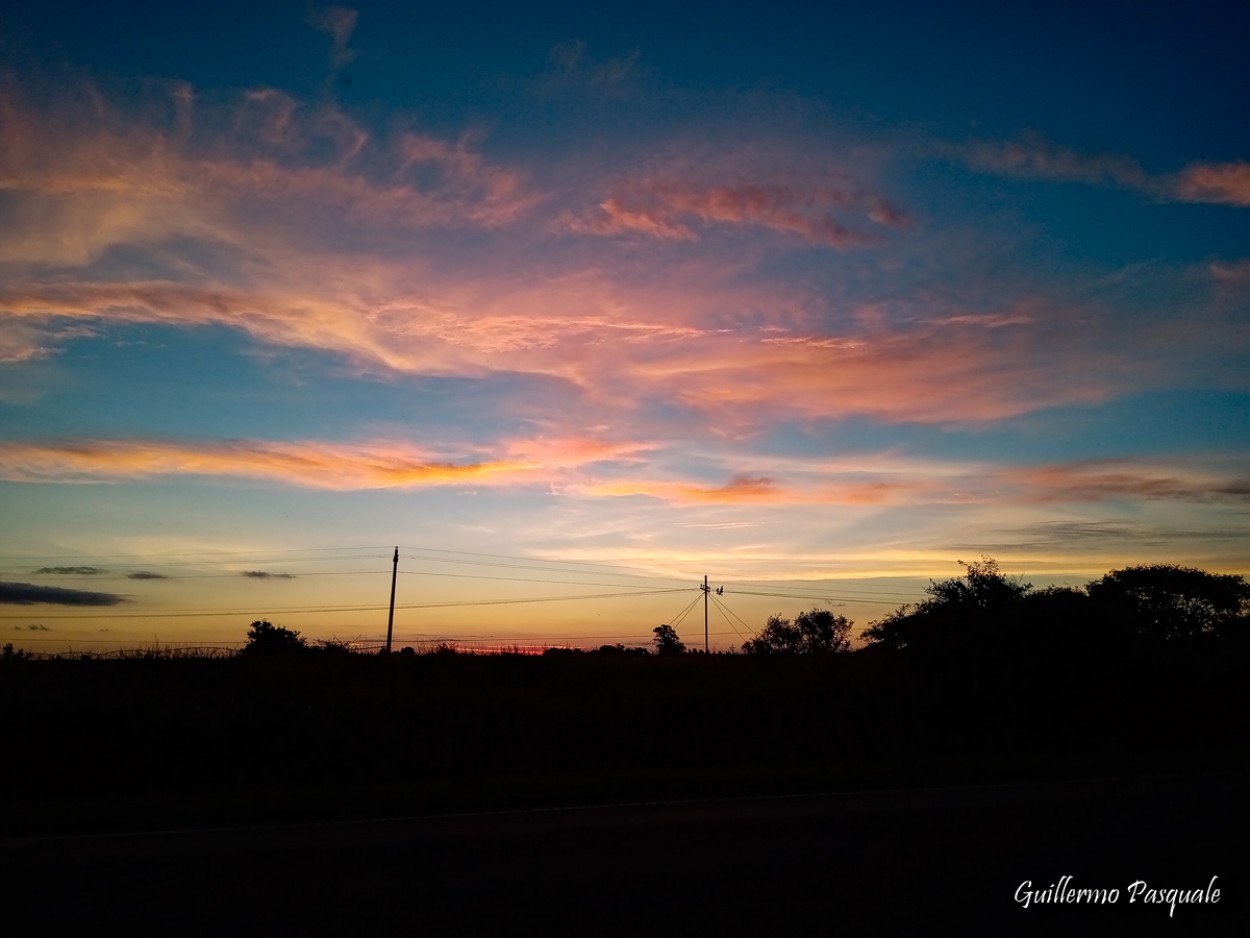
x: 1231, y: 271
x: 294, y: 262
x: 950, y: 371
x: 1224, y: 183
x: 265, y: 168
x: 1037, y: 158
x: 665, y: 207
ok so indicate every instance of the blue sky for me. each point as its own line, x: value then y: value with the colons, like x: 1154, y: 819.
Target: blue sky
x: 574, y: 302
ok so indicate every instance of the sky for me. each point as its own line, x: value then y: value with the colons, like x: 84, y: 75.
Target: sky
x: 577, y: 306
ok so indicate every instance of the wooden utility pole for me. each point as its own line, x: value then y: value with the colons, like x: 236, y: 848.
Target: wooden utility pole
x: 706, y: 589
x: 390, y: 619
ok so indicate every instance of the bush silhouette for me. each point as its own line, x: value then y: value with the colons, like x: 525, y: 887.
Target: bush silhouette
x: 817, y: 631
x: 264, y: 639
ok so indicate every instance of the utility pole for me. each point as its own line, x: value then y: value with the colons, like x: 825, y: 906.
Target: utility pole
x: 390, y: 619
x: 706, y: 589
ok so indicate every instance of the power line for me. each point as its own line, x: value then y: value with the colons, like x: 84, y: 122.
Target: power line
x: 725, y: 609
x: 514, y: 579
x: 310, y: 610
x: 685, y: 612
x: 530, y: 563
x: 826, y: 597
x: 821, y: 592
x: 515, y: 557
x: 721, y: 609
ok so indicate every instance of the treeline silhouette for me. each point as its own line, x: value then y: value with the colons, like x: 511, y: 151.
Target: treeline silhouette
x: 985, y: 679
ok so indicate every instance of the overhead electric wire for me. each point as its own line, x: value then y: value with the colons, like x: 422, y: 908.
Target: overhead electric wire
x: 530, y: 563
x: 685, y: 612
x: 721, y: 609
x: 468, y: 553
x: 828, y: 597
x: 724, y: 608
x: 515, y: 579
x: 537, y: 599
x: 312, y: 610
x: 822, y: 592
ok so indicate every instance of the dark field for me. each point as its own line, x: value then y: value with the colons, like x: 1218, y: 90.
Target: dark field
x: 596, y: 794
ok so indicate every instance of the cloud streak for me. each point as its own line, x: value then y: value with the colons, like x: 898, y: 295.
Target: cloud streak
x: 1034, y: 157
x: 963, y: 368
x: 28, y: 594
x: 672, y: 209
x: 316, y: 465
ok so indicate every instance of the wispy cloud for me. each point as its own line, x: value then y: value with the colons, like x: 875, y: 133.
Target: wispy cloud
x: 265, y: 575
x: 573, y: 71
x: 71, y: 571
x: 1035, y: 157
x: 1109, y: 480
x: 340, y: 23
x: 80, y: 183
x: 319, y: 465
x: 1231, y: 272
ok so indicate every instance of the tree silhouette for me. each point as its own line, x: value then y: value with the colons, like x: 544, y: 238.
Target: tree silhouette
x: 265, y: 638
x: 817, y: 631
x: 959, y: 611
x: 1165, y: 602
x: 666, y: 641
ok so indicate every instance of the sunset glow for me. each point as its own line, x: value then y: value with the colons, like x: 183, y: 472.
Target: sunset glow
x: 592, y: 306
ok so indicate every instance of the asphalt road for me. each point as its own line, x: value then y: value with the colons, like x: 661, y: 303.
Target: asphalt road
x: 874, y: 862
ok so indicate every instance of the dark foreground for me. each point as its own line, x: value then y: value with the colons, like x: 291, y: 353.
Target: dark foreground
x: 906, y: 861
x: 591, y: 796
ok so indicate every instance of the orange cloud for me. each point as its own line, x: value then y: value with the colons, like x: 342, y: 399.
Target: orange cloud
x: 739, y: 488
x: 314, y: 464
x: 860, y: 481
